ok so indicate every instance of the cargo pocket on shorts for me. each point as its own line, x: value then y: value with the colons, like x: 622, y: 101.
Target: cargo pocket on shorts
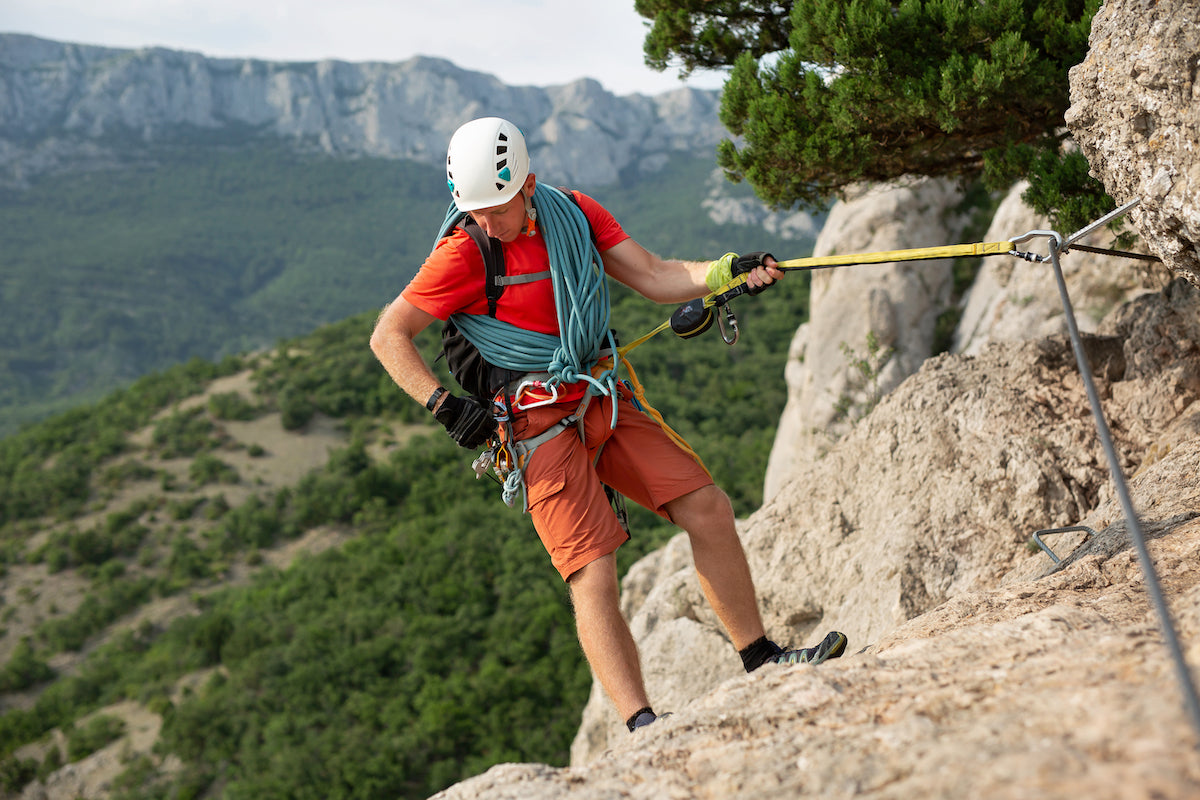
x: 550, y: 475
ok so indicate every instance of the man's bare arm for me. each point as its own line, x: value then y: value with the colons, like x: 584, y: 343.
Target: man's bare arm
x: 667, y: 280
x: 392, y: 343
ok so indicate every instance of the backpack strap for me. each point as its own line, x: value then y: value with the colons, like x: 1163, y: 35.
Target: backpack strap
x: 493, y: 258
x: 493, y: 261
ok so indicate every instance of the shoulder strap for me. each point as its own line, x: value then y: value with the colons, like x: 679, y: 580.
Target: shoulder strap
x: 571, y: 196
x: 493, y: 261
x: 492, y: 251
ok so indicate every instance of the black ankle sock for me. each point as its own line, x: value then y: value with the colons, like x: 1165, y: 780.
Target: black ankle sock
x: 632, y: 721
x: 756, y: 653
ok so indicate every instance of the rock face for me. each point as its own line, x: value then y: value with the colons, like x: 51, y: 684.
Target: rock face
x: 1135, y: 112
x: 932, y: 496
x: 977, y: 668
x: 1050, y: 689
x: 1012, y: 300
x: 885, y: 314
x: 909, y: 529
x: 65, y: 104
x: 899, y: 305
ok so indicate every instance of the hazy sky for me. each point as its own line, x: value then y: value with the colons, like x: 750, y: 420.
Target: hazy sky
x: 522, y: 42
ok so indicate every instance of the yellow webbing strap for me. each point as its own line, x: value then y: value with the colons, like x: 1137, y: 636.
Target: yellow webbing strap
x: 915, y: 254
x: 622, y: 350
x: 850, y: 259
x: 640, y: 393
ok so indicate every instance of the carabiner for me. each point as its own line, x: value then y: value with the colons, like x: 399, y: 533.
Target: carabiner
x: 733, y: 323
x: 526, y: 386
x: 484, y: 460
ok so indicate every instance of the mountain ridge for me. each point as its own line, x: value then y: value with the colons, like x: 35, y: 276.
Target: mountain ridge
x: 221, y: 203
x: 68, y: 102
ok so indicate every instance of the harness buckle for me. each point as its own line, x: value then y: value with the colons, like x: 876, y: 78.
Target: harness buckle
x: 549, y: 389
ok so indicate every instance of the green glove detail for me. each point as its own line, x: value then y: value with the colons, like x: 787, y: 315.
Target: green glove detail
x: 720, y: 272
x: 730, y: 265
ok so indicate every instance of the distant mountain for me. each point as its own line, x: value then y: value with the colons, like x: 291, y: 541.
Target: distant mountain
x: 158, y: 205
x: 67, y: 103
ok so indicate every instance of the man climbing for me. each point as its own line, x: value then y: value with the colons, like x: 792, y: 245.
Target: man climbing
x: 566, y: 433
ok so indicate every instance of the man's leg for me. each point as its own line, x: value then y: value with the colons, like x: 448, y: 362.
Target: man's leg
x: 605, y: 636
x: 707, y: 516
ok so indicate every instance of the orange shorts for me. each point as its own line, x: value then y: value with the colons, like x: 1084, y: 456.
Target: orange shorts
x: 567, y: 502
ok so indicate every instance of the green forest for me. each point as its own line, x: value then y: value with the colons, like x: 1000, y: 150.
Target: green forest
x: 435, y: 642
x: 212, y: 251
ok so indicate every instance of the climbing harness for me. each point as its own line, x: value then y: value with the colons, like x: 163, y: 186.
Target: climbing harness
x: 544, y: 369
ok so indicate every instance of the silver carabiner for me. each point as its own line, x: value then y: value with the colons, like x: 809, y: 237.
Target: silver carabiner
x: 733, y: 323
x: 1054, y: 236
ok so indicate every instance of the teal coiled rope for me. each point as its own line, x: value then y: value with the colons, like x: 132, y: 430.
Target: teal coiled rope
x: 580, y: 297
x: 581, y: 302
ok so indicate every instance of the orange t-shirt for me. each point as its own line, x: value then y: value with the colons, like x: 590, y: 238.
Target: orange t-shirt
x: 452, y: 277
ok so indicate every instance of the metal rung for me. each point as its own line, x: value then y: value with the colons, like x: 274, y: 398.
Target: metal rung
x: 1037, y: 537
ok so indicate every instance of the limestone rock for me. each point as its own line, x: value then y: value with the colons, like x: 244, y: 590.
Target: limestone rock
x: 893, y: 307
x: 1135, y: 112
x: 75, y: 104
x: 68, y: 107
x: 1013, y: 300
x: 932, y: 497
x: 1053, y: 688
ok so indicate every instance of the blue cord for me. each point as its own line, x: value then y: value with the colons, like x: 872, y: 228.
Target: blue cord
x: 581, y: 301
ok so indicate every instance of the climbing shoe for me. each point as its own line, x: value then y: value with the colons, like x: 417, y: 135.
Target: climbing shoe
x: 832, y: 646
x: 640, y: 719
x: 643, y: 718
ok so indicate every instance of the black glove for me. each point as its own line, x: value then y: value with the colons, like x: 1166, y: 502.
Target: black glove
x: 467, y: 422
x: 747, y: 262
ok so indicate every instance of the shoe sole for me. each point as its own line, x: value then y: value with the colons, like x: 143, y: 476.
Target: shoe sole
x: 833, y: 645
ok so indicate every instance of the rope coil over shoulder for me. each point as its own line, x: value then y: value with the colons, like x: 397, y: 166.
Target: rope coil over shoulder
x: 580, y: 296
x: 582, y: 306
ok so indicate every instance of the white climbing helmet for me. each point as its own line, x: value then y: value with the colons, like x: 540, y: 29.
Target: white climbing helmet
x: 486, y: 163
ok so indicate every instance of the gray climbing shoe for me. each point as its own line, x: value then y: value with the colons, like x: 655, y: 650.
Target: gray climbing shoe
x: 832, y: 646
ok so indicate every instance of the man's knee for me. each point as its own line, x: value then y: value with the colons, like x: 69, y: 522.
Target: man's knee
x: 706, y: 504
x: 594, y: 579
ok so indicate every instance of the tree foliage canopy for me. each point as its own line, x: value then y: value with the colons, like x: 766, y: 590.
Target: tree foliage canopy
x: 828, y: 93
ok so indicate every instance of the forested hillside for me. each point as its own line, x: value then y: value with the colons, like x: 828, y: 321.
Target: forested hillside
x: 207, y: 251
x: 278, y: 560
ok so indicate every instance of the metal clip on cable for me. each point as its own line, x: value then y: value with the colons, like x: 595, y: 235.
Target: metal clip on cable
x: 1055, y: 238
